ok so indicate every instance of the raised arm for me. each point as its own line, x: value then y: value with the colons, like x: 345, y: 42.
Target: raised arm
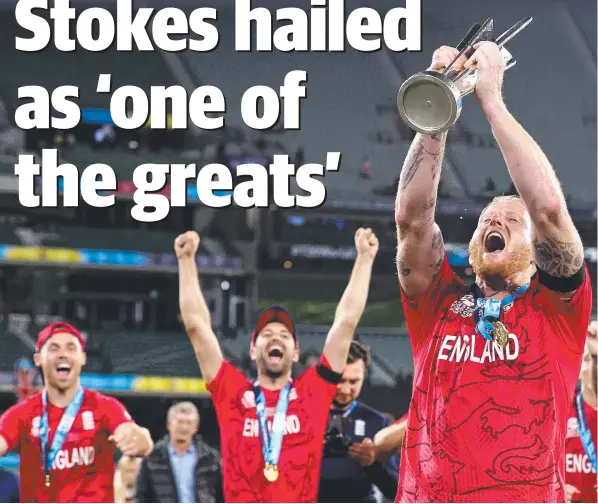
x: 420, y: 246
x: 194, y: 310
x: 558, y: 250
x: 351, y: 306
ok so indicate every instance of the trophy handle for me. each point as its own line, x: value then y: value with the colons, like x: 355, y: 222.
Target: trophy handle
x: 470, y: 34
x: 514, y: 30
x: 484, y: 32
x: 500, y: 42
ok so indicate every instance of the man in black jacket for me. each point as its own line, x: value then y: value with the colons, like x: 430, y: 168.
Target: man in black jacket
x: 182, y: 467
x: 350, y: 471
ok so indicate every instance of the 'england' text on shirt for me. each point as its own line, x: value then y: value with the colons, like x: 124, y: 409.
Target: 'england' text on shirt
x: 469, y: 348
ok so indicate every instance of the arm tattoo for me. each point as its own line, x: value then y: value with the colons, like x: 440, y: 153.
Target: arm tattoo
x: 429, y: 205
x: 409, y: 172
x: 557, y: 258
x: 416, y: 157
x: 415, y: 161
x: 428, y: 211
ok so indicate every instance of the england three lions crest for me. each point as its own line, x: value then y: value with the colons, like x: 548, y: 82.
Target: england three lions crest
x: 464, y: 306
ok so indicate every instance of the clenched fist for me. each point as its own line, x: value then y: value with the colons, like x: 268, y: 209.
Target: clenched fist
x: 366, y: 243
x: 186, y: 244
x: 131, y: 439
x: 491, y: 71
x: 443, y: 56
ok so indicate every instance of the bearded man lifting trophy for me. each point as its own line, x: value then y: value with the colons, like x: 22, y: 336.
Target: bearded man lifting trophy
x: 495, y: 362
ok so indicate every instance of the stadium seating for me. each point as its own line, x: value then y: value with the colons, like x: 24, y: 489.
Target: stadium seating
x: 346, y: 93
x: 136, y: 353
x: 548, y: 91
x: 12, y: 350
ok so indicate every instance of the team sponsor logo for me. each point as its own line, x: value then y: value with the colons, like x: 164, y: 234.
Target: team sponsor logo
x: 78, y: 456
x: 464, y: 306
x: 572, y: 428
x: 578, y: 463
x: 291, y: 426
x: 35, y: 426
x: 88, y: 422
x: 477, y: 349
x: 359, y: 427
x: 248, y: 399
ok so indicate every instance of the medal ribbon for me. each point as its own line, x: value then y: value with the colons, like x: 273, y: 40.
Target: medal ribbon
x: 64, y: 427
x: 347, y: 412
x: 350, y: 409
x: 487, y: 312
x: 271, y: 442
x: 584, y: 432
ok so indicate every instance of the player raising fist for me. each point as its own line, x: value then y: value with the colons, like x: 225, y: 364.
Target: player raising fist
x: 272, y: 429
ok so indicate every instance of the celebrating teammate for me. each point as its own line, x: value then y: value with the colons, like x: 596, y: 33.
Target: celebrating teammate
x: 588, y: 378
x: 272, y: 430
x: 495, y: 364
x: 580, y: 446
x: 66, y: 435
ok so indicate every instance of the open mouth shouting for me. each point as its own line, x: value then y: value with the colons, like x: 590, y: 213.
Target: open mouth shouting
x: 63, y: 371
x: 275, y: 354
x: 494, y: 242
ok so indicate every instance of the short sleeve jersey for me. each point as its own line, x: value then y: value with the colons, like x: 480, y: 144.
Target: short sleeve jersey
x: 578, y: 468
x: 302, y: 447
x: 83, y: 470
x: 486, y: 423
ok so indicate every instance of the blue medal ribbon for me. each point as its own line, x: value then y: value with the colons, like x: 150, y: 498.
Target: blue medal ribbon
x: 64, y: 427
x: 350, y: 409
x: 584, y: 432
x: 487, y: 312
x: 271, y: 441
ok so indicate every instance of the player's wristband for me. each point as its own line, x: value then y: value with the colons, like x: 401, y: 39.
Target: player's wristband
x: 562, y: 284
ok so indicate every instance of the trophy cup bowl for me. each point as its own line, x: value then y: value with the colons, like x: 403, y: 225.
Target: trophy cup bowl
x: 430, y: 102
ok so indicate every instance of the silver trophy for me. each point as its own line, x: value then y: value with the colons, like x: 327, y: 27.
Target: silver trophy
x: 430, y: 102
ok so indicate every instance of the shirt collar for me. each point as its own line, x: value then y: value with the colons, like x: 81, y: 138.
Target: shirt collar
x: 192, y: 450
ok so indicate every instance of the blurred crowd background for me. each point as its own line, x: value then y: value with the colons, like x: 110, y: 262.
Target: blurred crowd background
x: 115, y: 278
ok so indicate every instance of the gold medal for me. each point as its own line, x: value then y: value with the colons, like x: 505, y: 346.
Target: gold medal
x: 500, y: 333
x: 271, y: 473
x: 47, y: 481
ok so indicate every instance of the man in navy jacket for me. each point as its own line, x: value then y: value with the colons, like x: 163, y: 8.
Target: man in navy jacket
x: 350, y: 471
